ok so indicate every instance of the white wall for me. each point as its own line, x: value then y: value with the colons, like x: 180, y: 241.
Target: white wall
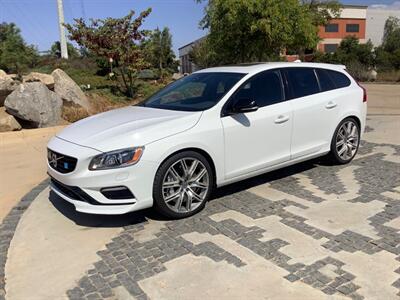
x: 353, y: 13
x: 376, y: 19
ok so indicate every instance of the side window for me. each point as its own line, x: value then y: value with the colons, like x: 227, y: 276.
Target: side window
x: 325, y: 81
x: 339, y: 79
x: 302, y: 81
x: 265, y: 88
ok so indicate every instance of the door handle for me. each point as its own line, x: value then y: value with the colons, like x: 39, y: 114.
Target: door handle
x: 330, y: 105
x: 281, y: 119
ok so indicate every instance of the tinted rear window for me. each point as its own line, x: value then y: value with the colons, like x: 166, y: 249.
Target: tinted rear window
x: 302, y: 81
x: 339, y: 79
x: 325, y: 81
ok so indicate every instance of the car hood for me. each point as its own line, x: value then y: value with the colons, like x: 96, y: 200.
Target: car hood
x: 128, y: 127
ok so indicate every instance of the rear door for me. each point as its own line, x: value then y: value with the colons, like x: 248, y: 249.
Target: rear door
x: 259, y: 139
x: 313, y: 112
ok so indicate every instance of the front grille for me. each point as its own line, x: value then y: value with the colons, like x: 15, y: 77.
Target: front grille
x: 61, y: 162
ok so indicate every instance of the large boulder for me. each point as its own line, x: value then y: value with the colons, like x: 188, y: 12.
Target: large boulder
x: 47, y: 79
x: 8, y: 122
x: 7, y: 85
x: 68, y: 90
x: 2, y: 74
x: 177, y: 76
x: 35, y: 104
x: 372, y: 75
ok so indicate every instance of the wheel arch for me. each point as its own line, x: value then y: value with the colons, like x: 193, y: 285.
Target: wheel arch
x: 357, y: 119
x: 353, y: 116
x: 206, y: 155
x: 333, y: 155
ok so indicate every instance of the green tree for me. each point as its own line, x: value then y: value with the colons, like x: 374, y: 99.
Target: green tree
x: 391, y: 36
x: 158, y: 50
x: 388, y: 54
x: 392, y: 24
x: 55, y: 50
x: 358, y: 58
x: 203, y: 55
x: 322, y: 11
x: 115, y: 39
x: 15, y: 54
x: 256, y: 30
x: 350, y: 50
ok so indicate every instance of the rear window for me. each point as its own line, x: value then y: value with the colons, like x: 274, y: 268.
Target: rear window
x: 325, y: 81
x: 339, y: 79
x: 302, y: 81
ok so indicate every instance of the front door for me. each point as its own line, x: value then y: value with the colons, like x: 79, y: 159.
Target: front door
x: 260, y: 139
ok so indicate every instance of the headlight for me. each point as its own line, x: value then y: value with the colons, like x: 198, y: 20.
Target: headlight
x: 116, y: 159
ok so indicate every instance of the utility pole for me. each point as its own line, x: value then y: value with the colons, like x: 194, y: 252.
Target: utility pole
x: 63, y: 41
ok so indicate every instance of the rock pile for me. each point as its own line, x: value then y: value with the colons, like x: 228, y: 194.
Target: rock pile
x: 37, y: 99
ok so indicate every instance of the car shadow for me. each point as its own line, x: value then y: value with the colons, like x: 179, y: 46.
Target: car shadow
x: 109, y: 221
x: 267, y: 177
x: 91, y: 220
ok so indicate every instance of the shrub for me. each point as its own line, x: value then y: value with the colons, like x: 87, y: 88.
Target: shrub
x: 389, y: 76
x: 359, y: 71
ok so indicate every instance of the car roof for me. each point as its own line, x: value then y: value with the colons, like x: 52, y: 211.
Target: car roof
x: 257, y: 67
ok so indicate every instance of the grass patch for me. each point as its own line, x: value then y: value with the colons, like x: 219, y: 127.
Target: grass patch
x: 103, y: 93
x: 389, y: 76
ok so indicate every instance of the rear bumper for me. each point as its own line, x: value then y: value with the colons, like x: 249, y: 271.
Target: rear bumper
x: 83, y: 188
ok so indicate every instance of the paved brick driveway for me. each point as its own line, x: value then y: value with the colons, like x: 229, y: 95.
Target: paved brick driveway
x: 311, y: 231
x: 334, y: 229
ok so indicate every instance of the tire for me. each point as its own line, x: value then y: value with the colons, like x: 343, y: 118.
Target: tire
x: 339, y: 154
x: 177, y: 194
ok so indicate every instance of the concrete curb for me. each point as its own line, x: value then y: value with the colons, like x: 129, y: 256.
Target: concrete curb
x: 9, y: 225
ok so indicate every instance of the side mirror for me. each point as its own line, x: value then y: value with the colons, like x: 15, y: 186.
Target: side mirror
x: 243, y: 106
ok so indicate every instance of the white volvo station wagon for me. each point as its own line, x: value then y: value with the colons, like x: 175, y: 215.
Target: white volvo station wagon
x: 214, y: 127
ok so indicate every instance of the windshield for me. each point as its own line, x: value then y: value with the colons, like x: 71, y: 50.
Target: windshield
x: 196, y: 92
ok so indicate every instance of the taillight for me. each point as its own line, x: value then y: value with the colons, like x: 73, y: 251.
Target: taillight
x: 365, y: 97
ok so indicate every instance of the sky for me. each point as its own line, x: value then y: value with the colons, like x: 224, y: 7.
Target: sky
x: 38, y: 19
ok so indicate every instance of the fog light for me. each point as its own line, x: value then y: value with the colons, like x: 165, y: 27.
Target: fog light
x: 117, y: 193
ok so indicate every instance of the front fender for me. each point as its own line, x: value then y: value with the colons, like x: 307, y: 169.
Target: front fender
x: 211, y: 142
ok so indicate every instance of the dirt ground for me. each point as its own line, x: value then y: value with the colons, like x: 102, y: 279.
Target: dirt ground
x: 383, y: 99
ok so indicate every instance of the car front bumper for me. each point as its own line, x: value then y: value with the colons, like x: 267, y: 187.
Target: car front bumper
x: 83, y: 188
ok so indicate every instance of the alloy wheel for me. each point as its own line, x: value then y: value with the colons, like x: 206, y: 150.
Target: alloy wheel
x: 347, y: 140
x: 185, y: 185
